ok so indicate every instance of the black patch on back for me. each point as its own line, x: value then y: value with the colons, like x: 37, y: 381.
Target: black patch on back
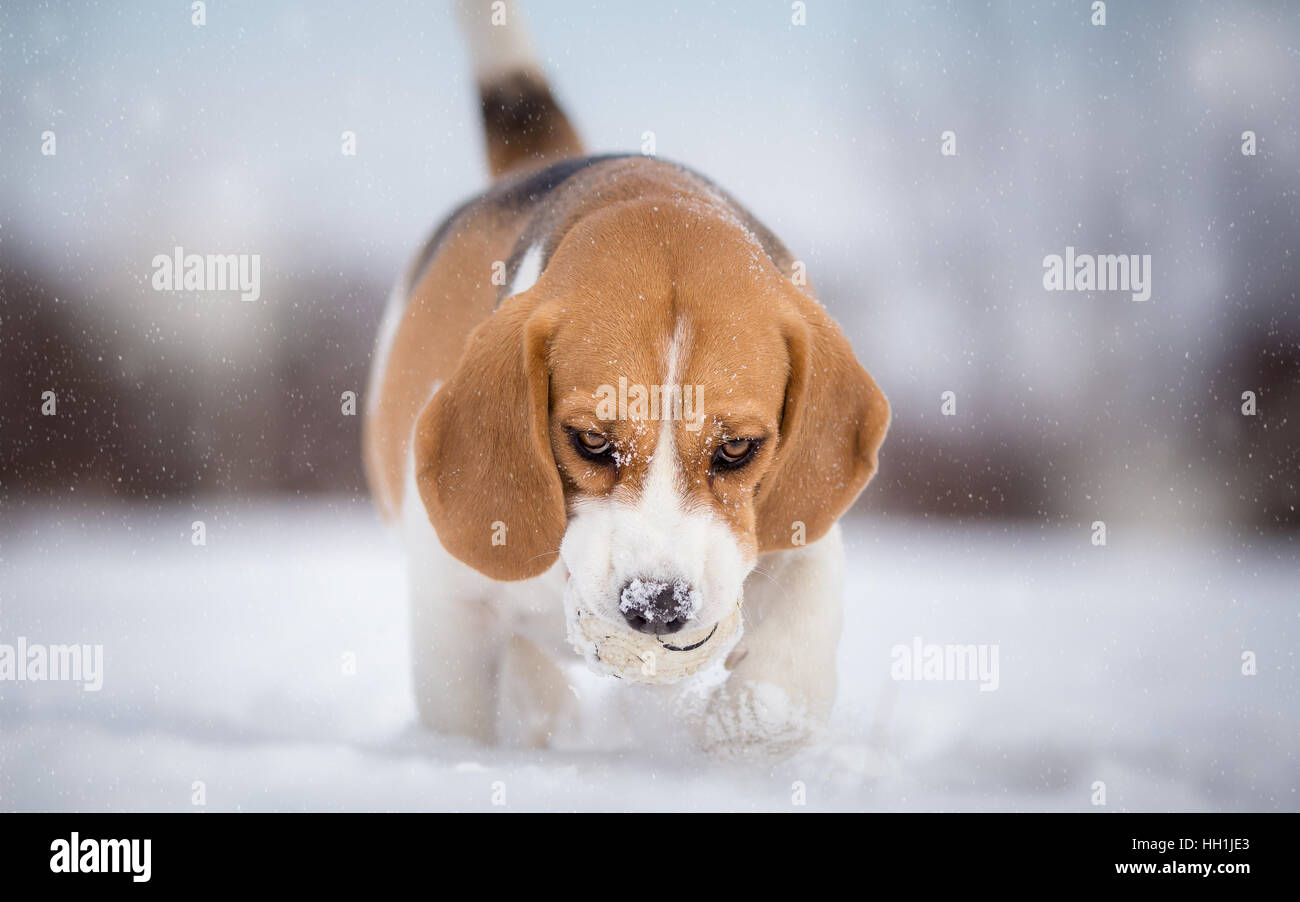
x: 535, y: 186
x: 520, y: 111
x: 513, y: 195
x: 519, y: 194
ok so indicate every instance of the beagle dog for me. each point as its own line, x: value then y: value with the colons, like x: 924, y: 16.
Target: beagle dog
x: 512, y: 433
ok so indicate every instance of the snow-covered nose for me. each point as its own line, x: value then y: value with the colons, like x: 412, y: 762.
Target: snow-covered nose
x: 658, y: 606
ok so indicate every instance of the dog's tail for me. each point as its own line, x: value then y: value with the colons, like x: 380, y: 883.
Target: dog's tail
x: 523, y: 124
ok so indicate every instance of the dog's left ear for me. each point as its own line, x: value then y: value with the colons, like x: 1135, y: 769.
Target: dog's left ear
x: 483, y: 460
x: 834, y: 420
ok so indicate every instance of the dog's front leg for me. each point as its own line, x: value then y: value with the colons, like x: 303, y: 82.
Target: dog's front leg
x: 782, y: 682
x: 457, y: 644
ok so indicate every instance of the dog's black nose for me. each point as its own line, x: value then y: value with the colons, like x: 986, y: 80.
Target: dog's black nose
x: 657, y: 606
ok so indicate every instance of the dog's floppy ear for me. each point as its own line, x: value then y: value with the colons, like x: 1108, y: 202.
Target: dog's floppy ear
x: 833, y: 422
x: 483, y: 460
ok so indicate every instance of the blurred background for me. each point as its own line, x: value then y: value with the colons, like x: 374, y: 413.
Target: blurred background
x: 1118, y: 139
x: 1120, y: 664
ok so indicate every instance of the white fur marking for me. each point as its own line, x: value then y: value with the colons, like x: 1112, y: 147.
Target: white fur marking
x: 529, y: 271
x: 497, y: 49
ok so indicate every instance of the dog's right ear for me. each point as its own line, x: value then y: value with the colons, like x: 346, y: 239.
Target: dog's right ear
x: 483, y: 460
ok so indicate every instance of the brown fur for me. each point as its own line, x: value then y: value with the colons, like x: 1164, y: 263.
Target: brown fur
x: 637, y: 249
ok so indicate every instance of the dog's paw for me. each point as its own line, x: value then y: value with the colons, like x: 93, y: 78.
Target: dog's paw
x: 755, y: 722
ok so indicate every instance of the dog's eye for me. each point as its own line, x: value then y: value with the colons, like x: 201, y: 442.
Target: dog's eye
x: 592, y: 445
x: 735, y: 453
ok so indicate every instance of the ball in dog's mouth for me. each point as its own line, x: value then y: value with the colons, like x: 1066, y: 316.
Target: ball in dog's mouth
x: 713, y: 632
x: 615, y: 650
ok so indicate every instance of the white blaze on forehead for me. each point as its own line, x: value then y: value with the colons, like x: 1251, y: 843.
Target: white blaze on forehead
x: 654, y: 536
x: 672, y: 542
x: 664, y: 488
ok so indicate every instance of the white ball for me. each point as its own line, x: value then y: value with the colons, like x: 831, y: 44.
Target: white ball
x: 641, y: 658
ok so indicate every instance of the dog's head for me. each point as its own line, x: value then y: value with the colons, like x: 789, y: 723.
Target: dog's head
x: 658, y: 408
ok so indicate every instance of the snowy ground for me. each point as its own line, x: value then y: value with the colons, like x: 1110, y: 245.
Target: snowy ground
x: 223, y: 665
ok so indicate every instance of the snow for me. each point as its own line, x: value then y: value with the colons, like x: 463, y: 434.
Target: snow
x: 225, y: 664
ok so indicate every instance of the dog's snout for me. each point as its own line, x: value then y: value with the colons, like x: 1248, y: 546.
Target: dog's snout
x: 658, y: 606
